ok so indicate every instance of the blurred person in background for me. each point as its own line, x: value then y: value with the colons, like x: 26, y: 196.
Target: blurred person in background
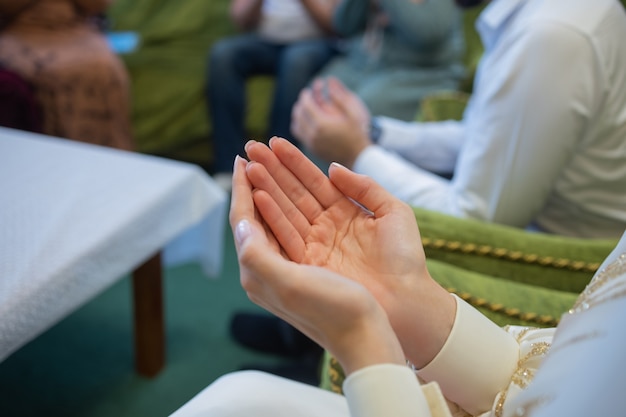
x: 287, y: 39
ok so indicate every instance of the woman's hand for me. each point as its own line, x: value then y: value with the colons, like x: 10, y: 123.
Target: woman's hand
x: 352, y: 226
x: 316, y: 221
x: 336, y: 312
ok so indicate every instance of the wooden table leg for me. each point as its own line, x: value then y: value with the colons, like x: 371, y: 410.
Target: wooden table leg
x: 148, y: 320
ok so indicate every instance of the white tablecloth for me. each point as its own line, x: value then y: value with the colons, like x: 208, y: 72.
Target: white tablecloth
x: 74, y: 218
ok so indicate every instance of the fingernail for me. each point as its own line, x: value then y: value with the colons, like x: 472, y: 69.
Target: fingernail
x: 272, y: 140
x: 337, y: 164
x: 242, y: 231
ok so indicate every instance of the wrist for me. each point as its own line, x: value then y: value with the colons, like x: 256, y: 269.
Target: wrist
x: 425, y: 320
x: 353, y: 150
x: 363, y: 139
x: 377, y: 344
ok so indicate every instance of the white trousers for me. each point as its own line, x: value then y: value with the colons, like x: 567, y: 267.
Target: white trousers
x: 254, y: 393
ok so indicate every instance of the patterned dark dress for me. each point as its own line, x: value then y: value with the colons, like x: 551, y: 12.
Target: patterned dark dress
x: 80, y: 84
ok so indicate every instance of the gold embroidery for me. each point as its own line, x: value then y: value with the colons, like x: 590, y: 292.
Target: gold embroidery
x: 587, y: 299
x: 522, y: 375
x: 536, y: 349
x: 500, y: 403
x: 521, y: 334
x: 612, y: 271
x: 590, y: 302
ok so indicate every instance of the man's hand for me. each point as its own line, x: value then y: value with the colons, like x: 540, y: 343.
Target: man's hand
x: 331, y: 121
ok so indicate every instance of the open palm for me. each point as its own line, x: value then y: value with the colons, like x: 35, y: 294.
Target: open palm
x: 344, y: 222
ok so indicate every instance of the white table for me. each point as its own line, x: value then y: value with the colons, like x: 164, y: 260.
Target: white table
x: 75, y: 218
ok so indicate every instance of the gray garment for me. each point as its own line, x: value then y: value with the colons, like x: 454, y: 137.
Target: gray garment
x: 392, y: 68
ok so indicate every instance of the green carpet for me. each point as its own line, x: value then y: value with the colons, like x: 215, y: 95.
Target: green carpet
x: 83, y: 366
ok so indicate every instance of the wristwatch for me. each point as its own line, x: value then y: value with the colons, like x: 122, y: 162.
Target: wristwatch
x: 375, y: 130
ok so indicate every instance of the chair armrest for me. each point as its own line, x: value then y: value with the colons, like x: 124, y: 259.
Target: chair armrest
x: 533, y: 258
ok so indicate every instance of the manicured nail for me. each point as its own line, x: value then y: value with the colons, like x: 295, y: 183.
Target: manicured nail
x: 242, y: 231
x: 337, y: 164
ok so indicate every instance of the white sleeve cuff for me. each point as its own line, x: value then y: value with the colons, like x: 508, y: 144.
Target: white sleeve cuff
x: 385, y: 390
x: 433, y: 146
x: 476, y: 362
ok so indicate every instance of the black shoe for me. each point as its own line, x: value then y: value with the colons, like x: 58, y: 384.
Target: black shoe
x: 305, y: 369
x: 269, y: 334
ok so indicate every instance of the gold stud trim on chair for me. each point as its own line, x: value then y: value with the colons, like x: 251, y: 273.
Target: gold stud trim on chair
x: 513, y: 256
x: 543, y: 320
x: 335, y: 373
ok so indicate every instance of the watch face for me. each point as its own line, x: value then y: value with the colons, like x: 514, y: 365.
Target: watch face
x: 375, y: 130
x: 468, y: 3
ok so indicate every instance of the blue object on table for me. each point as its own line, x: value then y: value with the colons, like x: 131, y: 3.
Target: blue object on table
x: 123, y: 42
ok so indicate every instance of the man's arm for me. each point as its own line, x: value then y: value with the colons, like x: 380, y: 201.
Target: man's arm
x: 246, y: 13
x: 433, y: 146
x: 524, y: 122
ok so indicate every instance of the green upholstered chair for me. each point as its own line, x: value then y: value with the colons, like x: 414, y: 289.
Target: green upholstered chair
x: 168, y: 73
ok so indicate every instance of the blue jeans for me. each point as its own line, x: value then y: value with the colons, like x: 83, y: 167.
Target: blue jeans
x: 235, y: 59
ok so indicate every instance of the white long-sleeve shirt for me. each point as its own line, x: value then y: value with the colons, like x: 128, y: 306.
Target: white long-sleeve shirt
x: 543, y: 139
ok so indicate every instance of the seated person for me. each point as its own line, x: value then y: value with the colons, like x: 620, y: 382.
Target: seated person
x: 398, y: 51
x: 81, y: 85
x: 341, y: 259
x: 539, y: 145
x: 288, y: 39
